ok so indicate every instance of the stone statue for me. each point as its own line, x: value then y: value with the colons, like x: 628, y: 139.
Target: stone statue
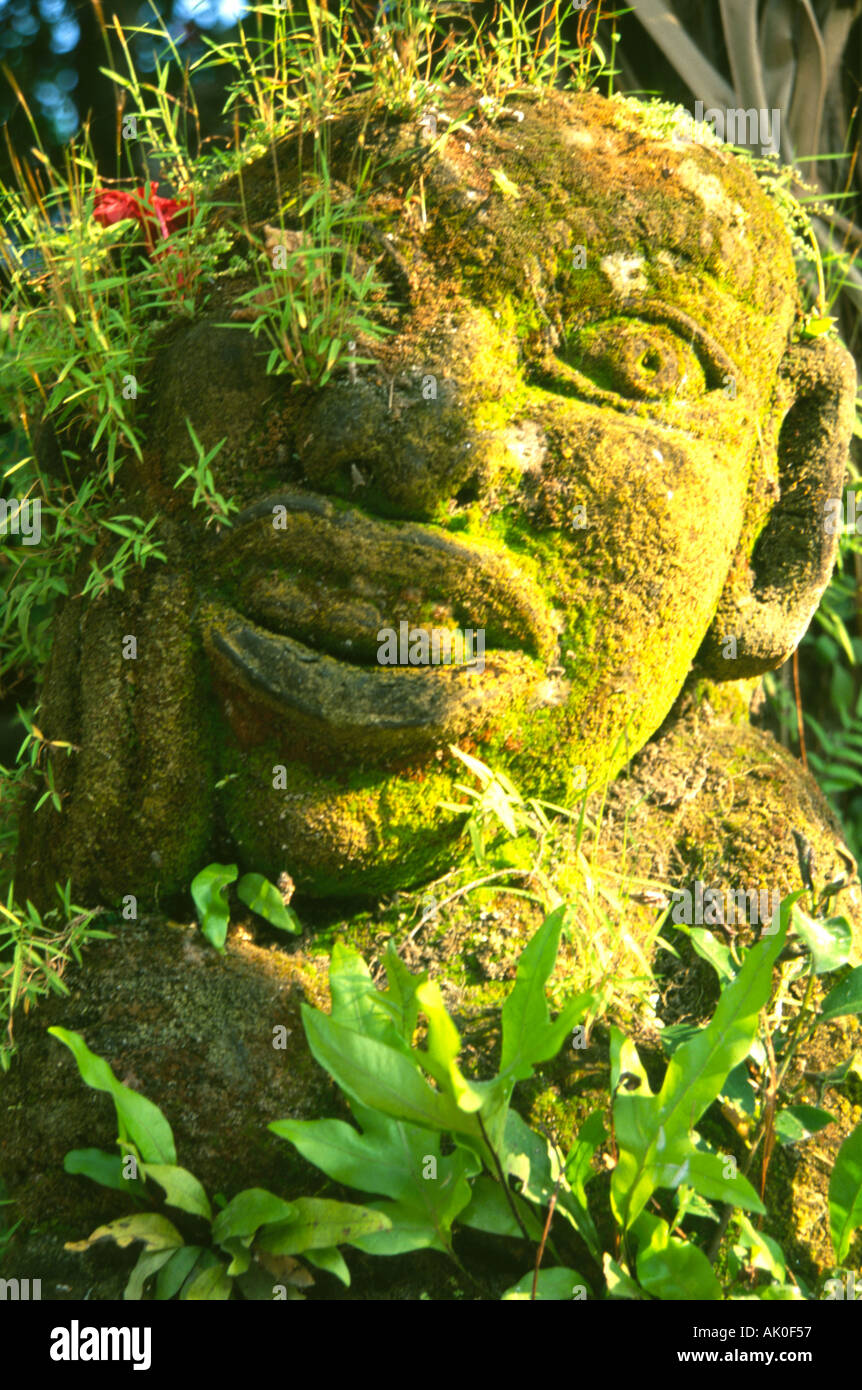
x: 591, y: 435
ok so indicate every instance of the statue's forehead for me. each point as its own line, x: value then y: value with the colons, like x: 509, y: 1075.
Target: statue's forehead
x: 598, y: 166
x: 607, y: 215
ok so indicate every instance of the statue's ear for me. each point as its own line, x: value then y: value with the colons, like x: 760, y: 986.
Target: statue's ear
x: 768, y: 605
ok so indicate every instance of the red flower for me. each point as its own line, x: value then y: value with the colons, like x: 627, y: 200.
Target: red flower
x: 113, y: 206
x: 165, y: 214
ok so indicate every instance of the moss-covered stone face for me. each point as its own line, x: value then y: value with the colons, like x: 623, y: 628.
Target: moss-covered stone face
x: 571, y: 442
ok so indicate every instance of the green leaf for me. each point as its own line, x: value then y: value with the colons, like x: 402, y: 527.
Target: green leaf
x: 590, y: 1135
x: 139, y: 1119
x: 690, y: 1203
x: 705, y: 1172
x: 208, y: 891
x: 103, y: 1168
x: 672, y: 1269
x: 710, y: 949
x: 845, y: 998
x: 677, y: 1271
x: 444, y: 1044
x: 332, y: 1260
x: 797, y: 1122
x: 156, y: 1231
x: 356, y: 1001
x: 739, y: 1091
x: 556, y: 1284
x: 845, y: 1194
x: 212, y: 1285
x: 572, y: 1198
x: 653, y: 1132
x: 248, y: 1211
x: 379, y: 1077
x: 830, y: 942
x: 406, y: 1230
x: 675, y: 1035
x: 764, y: 1252
x: 174, y: 1274
x: 181, y: 1188
x: 345, y: 1155
x: 529, y: 1157
x: 529, y: 1036
x: 815, y: 328
x: 390, y: 1157
x: 264, y: 898
x: 237, y: 1248
x: 401, y: 995
x: 149, y: 1263
x: 319, y: 1224
x: 626, y: 1063
x: 619, y: 1283
x: 489, y: 1211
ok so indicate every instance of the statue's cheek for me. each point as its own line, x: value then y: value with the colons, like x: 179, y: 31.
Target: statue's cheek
x: 127, y: 688
x: 612, y: 480
x: 173, y: 733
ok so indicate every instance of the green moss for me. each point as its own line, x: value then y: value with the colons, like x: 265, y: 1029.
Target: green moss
x: 556, y: 389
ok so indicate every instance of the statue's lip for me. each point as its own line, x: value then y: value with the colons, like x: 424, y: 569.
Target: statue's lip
x: 322, y: 558
x: 349, y: 706
x: 377, y: 711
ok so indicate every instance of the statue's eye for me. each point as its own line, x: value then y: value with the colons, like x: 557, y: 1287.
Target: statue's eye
x: 638, y: 360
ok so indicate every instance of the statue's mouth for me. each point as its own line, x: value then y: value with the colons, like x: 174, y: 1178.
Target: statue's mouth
x: 304, y: 589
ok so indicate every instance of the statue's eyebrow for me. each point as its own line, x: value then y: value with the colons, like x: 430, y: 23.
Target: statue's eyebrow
x: 657, y: 311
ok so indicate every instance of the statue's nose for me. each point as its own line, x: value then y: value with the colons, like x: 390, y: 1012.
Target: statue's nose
x: 416, y: 447
x: 403, y: 447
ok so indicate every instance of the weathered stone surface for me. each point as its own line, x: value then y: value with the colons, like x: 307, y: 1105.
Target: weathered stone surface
x: 710, y: 798
x: 558, y: 386
x: 609, y: 464
x: 189, y: 1030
